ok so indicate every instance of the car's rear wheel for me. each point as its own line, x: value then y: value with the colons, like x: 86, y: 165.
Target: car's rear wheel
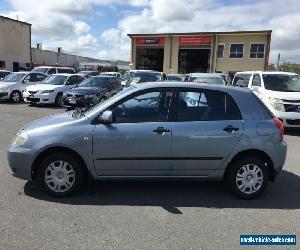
x: 59, y: 99
x: 248, y: 177
x: 15, y: 96
x: 60, y: 174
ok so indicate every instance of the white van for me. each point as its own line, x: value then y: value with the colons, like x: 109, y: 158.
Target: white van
x: 53, y: 70
x: 279, y: 91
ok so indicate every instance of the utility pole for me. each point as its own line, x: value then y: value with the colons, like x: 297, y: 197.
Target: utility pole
x: 278, y: 61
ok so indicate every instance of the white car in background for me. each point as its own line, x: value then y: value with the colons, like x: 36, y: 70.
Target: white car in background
x: 49, y: 70
x: 279, y: 91
x: 116, y: 74
x: 14, y: 84
x: 51, y: 90
x: 209, y: 78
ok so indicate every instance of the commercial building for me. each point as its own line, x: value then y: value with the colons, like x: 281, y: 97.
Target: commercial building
x: 225, y: 52
x: 41, y: 57
x: 15, y: 44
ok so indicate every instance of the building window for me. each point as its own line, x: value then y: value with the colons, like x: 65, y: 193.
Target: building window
x: 257, y: 51
x: 236, y: 51
x: 2, y: 64
x: 220, y: 52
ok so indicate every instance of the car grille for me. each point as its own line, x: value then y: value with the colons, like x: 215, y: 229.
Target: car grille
x: 292, y: 108
x: 32, y: 92
x: 70, y: 95
x: 293, y: 122
x: 33, y: 99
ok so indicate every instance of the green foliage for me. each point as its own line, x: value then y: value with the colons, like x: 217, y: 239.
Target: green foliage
x: 286, y: 67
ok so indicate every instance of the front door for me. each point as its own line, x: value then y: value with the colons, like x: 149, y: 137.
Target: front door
x: 207, y: 127
x: 138, y: 142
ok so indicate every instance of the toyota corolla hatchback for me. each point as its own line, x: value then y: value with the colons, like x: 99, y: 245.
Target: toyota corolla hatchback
x: 156, y: 131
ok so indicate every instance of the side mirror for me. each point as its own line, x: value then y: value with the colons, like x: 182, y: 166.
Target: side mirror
x: 106, y: 117
x: 256, y: 88
x: 26, y: 81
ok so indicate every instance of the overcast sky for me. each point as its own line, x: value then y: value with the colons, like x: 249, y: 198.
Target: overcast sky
x: 99, y: 28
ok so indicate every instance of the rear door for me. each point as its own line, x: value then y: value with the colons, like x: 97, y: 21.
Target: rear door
x: 207, y: 127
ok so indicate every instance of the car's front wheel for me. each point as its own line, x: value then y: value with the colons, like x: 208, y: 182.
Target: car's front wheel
x: 15, y: 96
x: 60, y: 174
x: 248, y: 177
x: 59, y: 99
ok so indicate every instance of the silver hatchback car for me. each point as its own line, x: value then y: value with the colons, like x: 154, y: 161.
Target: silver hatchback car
x: 160, y: 131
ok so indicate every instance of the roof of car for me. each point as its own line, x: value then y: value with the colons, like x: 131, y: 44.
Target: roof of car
x: 177, y: 84
x: 65, y: 74
x: 267, y: 72
x: 104, y: 76
x: 54, y: 67
x: 205, y: 74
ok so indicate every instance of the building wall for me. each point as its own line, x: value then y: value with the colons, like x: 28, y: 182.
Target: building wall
x: 239, y: 64
x: 225, y: 65
x: 15, y: 43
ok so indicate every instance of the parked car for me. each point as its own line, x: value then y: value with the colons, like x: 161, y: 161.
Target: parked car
x: 14, y: 84
x: 3, y: 73
x: 145, y: 76
x: 176, y: 77
x: 128, y: 74
x: 209, y: 132
x: 51, y: 90
x: 49, y: 70
x: 279, y: 91
x: 89, y: 73
x: 212, y: 78
x: 92, y: 91
x: 116, y: 74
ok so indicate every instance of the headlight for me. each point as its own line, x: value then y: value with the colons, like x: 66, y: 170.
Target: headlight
x: 89, y: 96
x: 4, y: 89
x: 47, y: 91
x: 277, y: 104
x: 20, y: 139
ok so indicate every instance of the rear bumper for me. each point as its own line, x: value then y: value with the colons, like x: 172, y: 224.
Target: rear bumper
x: 278, y: 155
x: 20, y: 161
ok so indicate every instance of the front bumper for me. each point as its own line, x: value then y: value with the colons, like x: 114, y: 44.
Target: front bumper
x: 289, y: 119
x: 20, y: 161
x: 4, y: 95
x: 77, y: 101
x: 39, y: 98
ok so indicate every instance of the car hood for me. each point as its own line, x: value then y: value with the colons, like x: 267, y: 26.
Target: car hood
x: 38, y: 87
x: 284, y: 95
x: 7, y: 84
x: 57, y: 120
x: 85, y: 91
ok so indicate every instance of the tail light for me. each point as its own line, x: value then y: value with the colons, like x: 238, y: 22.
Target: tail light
x: 279, y: 124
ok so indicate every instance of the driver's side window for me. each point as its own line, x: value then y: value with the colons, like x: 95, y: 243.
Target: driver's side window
x: 145, y: 107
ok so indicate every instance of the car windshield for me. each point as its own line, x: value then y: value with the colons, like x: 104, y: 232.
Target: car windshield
x: 55, y: 80
x: 144, y: 77
x: 14, y: 77
x: 127, y: 76
x: 95, y: 82
x: 175, y: 78
x: 282, y: 82
x: 209, y: 80
x: 40, y: 70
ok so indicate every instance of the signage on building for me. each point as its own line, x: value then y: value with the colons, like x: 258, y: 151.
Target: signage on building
x: 195, y: 40
x: 150, y: 41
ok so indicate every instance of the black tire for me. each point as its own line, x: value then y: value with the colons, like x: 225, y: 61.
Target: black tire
x: 237, y: 183
x: 59, y: 100
x: 15, y: 96
x: 43, y: 174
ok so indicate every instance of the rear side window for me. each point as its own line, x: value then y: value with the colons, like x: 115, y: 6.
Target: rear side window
x: 51, y: 71
x: 206, y: 105
x: 67, y: 71
x: 241, y: 80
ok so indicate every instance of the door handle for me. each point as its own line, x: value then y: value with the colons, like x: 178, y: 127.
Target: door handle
x: 230, y: 129
x: 161, y: 130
